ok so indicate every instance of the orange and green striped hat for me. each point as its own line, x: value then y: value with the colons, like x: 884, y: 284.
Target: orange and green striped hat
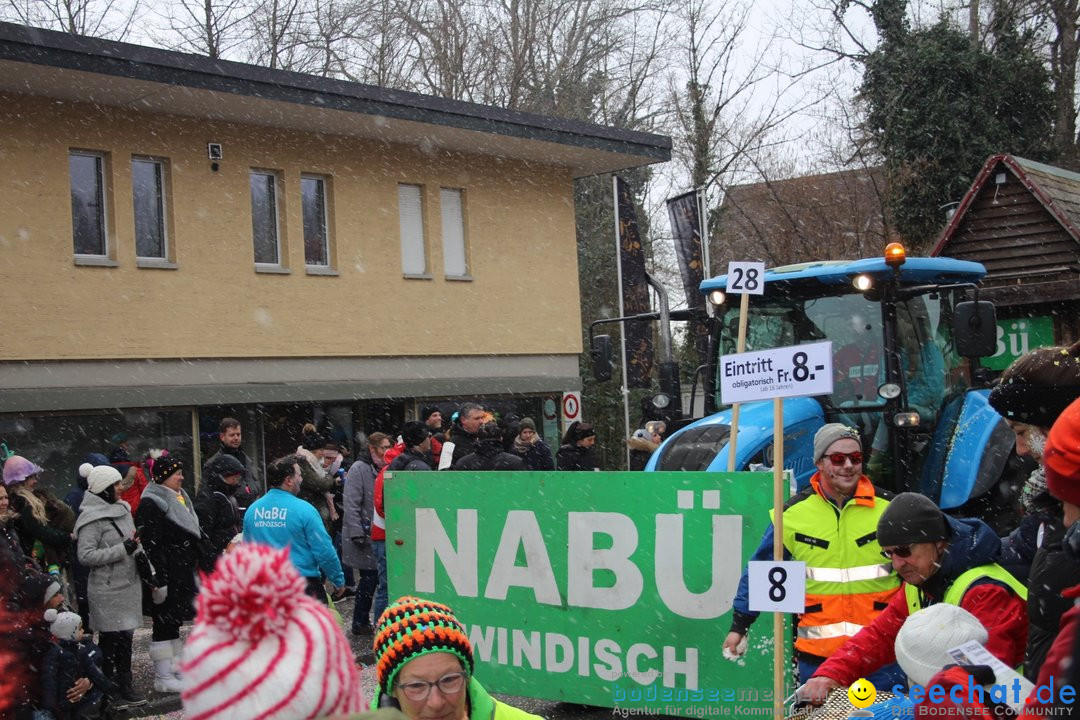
x: 411, y: 627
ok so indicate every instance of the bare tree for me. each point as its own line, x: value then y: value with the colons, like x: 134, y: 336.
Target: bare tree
x: 206, y: 27
x: 112, y: 19
x: 445, y: 43
x: 380, y: 48
x: 275, y: 31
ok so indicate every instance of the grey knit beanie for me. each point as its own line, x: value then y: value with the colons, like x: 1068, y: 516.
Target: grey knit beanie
x: 830, y: 433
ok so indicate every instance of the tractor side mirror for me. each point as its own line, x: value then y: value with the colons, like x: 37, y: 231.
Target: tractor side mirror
x: 601, y: 357
x: 975, y: 329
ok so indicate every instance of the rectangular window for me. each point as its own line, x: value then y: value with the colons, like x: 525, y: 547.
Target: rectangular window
x: 411, y: 217
x: 87, y: 174
x: 316, y: 241
x: 148, y: 200
x: 264, y: 218
x: 453, y: 233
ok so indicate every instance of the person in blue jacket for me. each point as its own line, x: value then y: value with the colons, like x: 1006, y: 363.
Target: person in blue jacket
x: 280, y: 519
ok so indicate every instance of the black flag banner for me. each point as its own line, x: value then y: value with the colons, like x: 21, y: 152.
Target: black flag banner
x: 637, y: 336
x: 686, y: 229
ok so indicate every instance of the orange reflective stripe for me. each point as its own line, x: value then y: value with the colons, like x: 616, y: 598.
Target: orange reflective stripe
x: 837, y: 612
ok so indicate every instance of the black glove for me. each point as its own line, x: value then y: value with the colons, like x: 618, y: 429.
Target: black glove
x: 130, y: 545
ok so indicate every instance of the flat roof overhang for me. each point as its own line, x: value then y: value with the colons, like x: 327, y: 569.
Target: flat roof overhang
x: 104, y: 72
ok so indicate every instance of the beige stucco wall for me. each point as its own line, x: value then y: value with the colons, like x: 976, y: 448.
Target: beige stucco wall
x: 519, y: 225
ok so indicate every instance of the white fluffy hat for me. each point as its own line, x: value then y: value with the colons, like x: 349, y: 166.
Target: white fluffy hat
x: 923, y: 642
x: 100, y: 477
x: 63, y: 625
x: 261, y: 647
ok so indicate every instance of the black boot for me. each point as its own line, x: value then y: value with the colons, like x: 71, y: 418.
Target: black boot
x: 126, y: 696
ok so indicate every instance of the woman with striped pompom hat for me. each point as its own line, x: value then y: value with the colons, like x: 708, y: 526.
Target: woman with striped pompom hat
x: 424, y: 666
x: 263, y: 648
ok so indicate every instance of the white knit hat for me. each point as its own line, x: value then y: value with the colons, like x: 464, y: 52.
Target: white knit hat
x: 923, y: 642
x: 101, y: 477
x: 261, y: 647
x: 63, y: 625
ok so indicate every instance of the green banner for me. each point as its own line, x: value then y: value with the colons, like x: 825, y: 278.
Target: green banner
x: 612, y: 589
x: 1017, y: 336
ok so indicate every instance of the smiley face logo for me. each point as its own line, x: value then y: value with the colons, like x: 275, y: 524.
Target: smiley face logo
x: 862, y: 693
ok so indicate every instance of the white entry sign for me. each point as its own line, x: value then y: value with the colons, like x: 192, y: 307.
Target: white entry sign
x: 793, y: 371
x: 746, y: 278
x: 777, y: 586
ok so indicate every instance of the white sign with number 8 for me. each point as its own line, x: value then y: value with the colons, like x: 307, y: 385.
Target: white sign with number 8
x: 746, y: 278
x: 777, y: 586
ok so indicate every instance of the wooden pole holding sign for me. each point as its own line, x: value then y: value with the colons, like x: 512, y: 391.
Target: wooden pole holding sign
x: 744, y: 310
x: 798, y: 371
x: 778, y: 550
x: 745, y: 278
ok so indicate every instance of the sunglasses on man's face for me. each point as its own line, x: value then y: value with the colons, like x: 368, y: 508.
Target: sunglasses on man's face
x: 903, y: 551
x: 838, y: 458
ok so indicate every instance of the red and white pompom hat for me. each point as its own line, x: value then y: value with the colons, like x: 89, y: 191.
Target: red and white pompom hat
x: 261, y: 648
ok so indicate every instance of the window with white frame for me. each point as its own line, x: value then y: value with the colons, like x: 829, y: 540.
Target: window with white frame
x: 264, y: 218
x: 86, y: 171
x: 316, y: 238
x: 411, y: 218
x: 148, y: 201
x: 455, y: 262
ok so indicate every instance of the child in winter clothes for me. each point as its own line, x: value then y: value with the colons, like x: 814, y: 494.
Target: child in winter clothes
x: 68, y: 660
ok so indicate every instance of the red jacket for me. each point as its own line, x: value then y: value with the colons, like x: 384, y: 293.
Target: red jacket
x: 1002, y: 613
x: 133, y: 494
x: 1058, y: 660
x: 378, y: 518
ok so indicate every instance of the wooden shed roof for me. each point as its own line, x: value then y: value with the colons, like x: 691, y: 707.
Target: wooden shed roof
x: 1021, y: 219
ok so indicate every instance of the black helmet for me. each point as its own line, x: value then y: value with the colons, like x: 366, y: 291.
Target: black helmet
x: 224, y: 465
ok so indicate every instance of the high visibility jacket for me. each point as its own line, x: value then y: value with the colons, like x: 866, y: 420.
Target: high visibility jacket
x: 848, y: 582
x: 917, y: 601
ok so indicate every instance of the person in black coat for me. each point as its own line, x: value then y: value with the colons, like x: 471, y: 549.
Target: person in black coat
x: 489, y: 454
x: 531, y: 448
x: 169, y: 530
x: 1031, y: 394
x: 417, y: 439
x: 219, y: 515
x: 463, y: 433
x: 578, y: 450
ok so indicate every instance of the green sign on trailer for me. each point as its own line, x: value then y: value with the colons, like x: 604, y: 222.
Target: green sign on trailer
x: 1017, y: 336
x: 611, y: 589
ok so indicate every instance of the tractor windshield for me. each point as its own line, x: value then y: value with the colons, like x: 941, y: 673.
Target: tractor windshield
x: 854, y: 325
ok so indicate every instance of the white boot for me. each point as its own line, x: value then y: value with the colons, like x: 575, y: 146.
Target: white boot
x: 161, y: 653
x: 177, y: 653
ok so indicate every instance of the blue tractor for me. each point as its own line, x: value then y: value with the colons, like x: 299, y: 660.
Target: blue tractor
x: 906, y: 337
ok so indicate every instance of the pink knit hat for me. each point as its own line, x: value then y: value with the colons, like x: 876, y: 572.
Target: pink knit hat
x: 262, y: 648
x: 17, y: 469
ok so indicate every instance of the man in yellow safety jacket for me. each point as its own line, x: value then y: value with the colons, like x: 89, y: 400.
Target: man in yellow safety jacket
x: 832, y: 527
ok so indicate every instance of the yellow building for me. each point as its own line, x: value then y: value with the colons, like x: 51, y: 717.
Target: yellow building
x: 184, y: 238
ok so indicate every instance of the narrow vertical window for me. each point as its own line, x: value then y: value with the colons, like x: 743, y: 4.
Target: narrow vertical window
x: 316, y: 241
x: 264, y: 218
x: 455, y: 263
x: 87, y: 175
x: 411, y: 217
x: 148, y: 200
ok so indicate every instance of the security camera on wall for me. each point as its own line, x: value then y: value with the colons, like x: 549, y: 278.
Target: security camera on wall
x: 213, y: 150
